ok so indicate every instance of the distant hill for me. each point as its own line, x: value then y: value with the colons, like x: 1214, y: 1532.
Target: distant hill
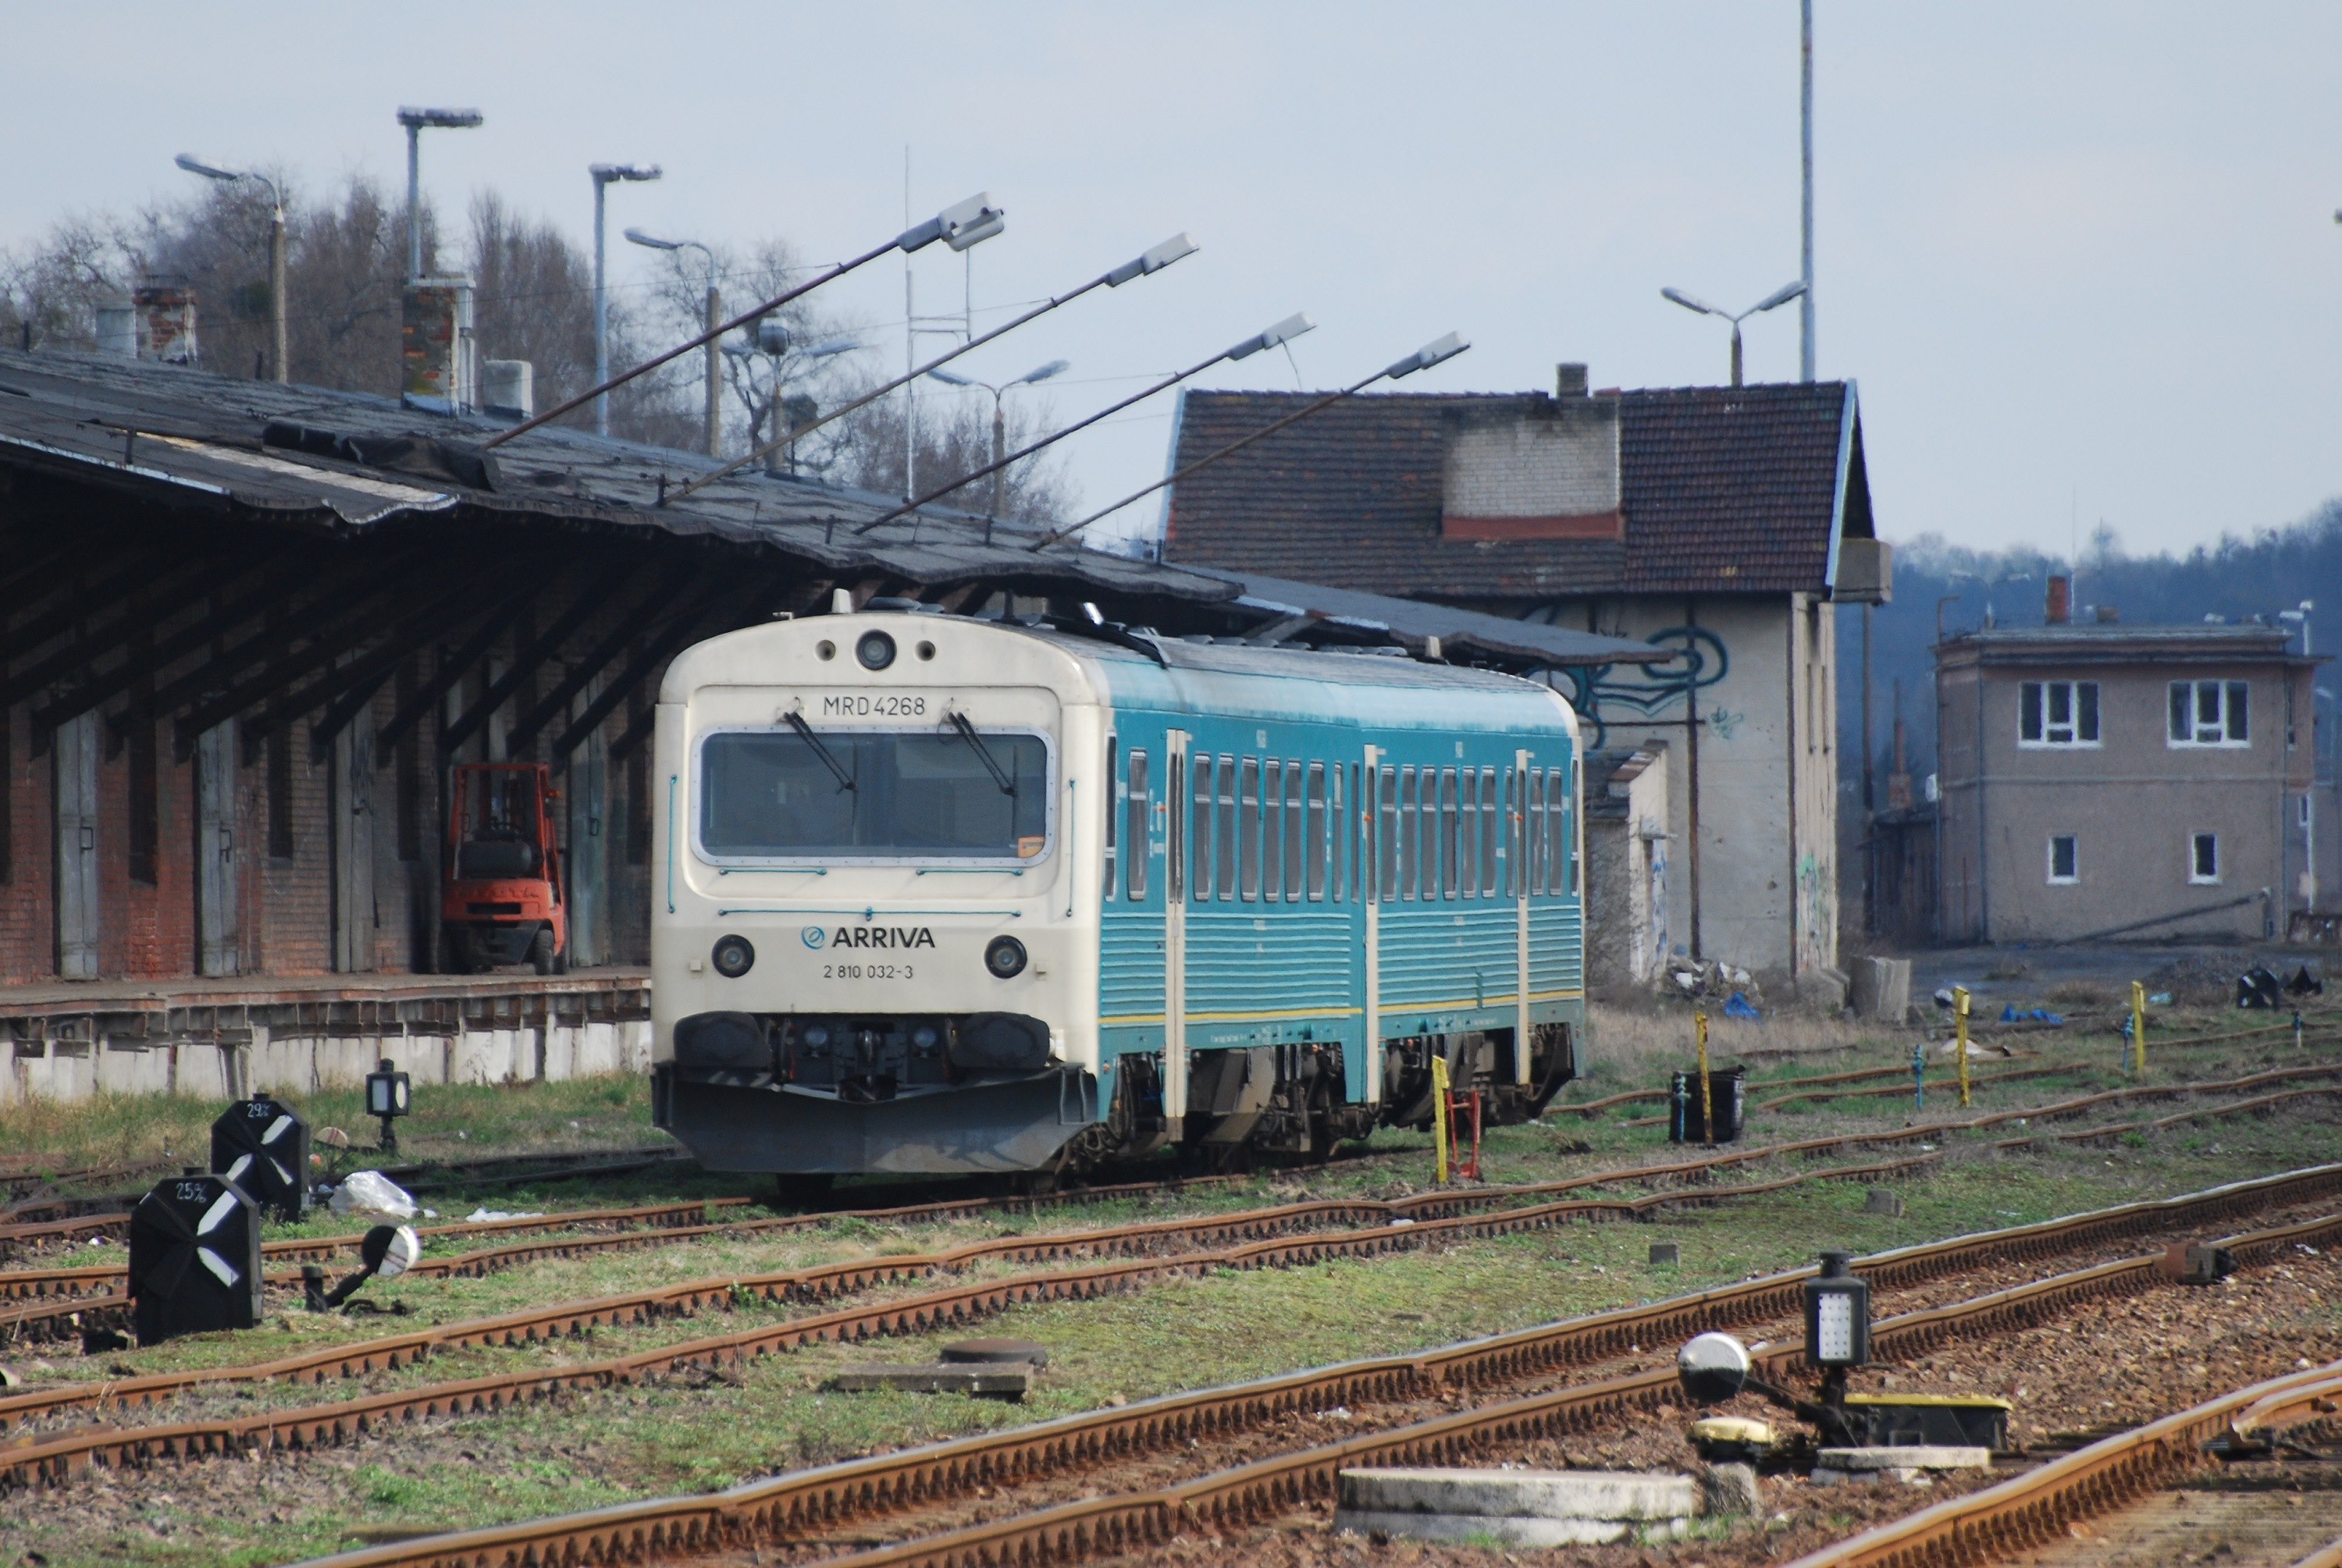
x: 2237, y: 579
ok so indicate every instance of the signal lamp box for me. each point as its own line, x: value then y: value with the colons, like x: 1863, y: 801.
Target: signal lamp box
x: 194, y: 1258
x: 1838, y: 1314
x: 261, y: 1144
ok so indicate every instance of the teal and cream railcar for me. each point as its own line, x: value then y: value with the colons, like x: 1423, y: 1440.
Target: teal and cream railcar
x: 941, y: 894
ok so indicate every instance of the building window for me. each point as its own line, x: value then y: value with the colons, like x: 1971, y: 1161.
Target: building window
x: 145, y: 801
x: 2204, y: 857
x: 280, y: 794
x: 2305, y: 809
x: 2058, y: 714
x: 2065, y: 862
x: 2210, y: 713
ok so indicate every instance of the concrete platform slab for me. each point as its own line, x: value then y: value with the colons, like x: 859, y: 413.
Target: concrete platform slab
x: 1575, y: 1494
x: 993, y: 1382
x: 1509, y: 1530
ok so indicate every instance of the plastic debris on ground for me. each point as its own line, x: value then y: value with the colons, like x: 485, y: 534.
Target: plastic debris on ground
x: 2012, y: 1014
x: 371, y: 1193
x: 486, y: 1216
x: 1737, y: 1006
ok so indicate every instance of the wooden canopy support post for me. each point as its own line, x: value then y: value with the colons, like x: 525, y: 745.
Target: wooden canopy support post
x: 595, y: 593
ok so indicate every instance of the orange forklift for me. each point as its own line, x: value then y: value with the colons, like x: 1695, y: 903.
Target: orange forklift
x: 503, y: 900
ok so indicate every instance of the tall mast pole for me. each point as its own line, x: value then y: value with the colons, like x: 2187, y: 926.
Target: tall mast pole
x: 1805, y: 129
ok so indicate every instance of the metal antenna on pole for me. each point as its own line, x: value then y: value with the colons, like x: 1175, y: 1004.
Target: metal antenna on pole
x: 910, y: 350
x: 1805, y: 129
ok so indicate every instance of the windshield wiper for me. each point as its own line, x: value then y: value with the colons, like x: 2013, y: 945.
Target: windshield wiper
x: 967, y: 732
x: 804, y: 731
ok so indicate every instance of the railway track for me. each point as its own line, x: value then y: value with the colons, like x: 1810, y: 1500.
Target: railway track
x: 61, y: 1458
x: 1871, y: 1074
x: 57, y: 1303
x: 2032, y: 1510
x: 799, y: 1507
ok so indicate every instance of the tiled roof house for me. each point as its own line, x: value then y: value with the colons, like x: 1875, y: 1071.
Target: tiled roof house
x: 1723, y: 520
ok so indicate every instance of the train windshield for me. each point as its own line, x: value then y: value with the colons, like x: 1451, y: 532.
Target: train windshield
x: 858, y: 794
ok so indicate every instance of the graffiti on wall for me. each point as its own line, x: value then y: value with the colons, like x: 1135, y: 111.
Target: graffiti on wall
x: 1816, y: 906
x: 1646, y: 691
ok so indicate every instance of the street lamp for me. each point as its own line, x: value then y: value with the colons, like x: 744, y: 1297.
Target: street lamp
x: 715, y: 318
x: 958, y: 226
x: 1780, y: 296
x: 773, y: 342
x: 602, y: 175
x: 999, y: 425
x: 195, y: 165
x: 414, y: 120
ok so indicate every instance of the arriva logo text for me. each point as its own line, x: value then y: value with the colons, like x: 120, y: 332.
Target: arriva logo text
x: 871, y: 936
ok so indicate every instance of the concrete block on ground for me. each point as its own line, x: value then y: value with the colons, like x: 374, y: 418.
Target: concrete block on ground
x: 1908, y: 1463
x: 1517, y: 1507
x: 995, y: 1382
x: 1882, y: 988
x: 1728, y: 1489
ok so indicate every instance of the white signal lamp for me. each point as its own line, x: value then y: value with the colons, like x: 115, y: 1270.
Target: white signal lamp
x: 1838, y: 1316
x: 388, y: 1096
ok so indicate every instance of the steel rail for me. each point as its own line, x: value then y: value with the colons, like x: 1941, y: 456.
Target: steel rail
x: 791, y: 1506
x: 956, y: 1304
x: 2326, y: 1556
x: 2031, y: 1510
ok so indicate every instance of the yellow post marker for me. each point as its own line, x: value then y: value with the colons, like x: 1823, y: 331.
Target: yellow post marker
x: 1707, y: 1110
x: 1439, y: 1114
x: 1960, y: 1014
x: 2137, y: 1028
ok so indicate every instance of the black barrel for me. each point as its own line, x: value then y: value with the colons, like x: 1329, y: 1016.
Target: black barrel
x: 1727, y: 1091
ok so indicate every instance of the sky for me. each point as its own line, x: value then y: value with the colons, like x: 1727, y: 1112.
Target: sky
x: 2082, y: 259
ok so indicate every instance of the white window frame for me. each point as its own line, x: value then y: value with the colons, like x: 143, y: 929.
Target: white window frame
x: 2222, y: 730
x: 2054, y: 839
x: 2035, y: 704
x: 2194, y: 873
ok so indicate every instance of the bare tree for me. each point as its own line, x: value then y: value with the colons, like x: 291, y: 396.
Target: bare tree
x: 956, y: 440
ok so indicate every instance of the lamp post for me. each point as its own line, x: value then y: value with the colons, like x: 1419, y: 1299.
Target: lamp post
x: 1780, y: 296
x: 604, y: 173
x: 714, y: 316
x: 414, y: 120
x: 1438, y: 352
x: 772, y: 342
x: 1291, y: 327
x: 195, y: 165
x: 968, y: 223
x: 1145, y: 265
x: 999, y: 423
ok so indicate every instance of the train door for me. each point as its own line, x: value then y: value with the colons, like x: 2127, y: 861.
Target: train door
x: 1370, y: 894
x: 1175, y: 927
x: 1520, y: 834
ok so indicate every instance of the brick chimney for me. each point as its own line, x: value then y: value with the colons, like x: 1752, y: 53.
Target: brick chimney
x: 1534, y: 467
x: 2061, y: 601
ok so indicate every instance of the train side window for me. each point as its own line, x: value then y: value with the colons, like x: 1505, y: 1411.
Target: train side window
x: 1297, y: 818
x: 1248, y: 832
x: 1564, y: 872
x: 1407, y: 822
x: 1174, y: 840
x: 1111, y: 877
x: 1387, y: 856
x: 1141, y: 801
x: 1533, y: 828
x: 1513, y: 792
x: 1273, y: 830
x: 1200, y: 815
x: 1488, y: 831
x: 1312, y: 835
x: 1451, y: 843
x: 1227, y: 838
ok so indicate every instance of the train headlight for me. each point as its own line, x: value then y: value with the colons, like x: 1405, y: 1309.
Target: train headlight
x: 875, y: 650
x: 732, y: 956
x: 816, y: 1038
x: 924, y: 1037
x: 1005, y: 956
